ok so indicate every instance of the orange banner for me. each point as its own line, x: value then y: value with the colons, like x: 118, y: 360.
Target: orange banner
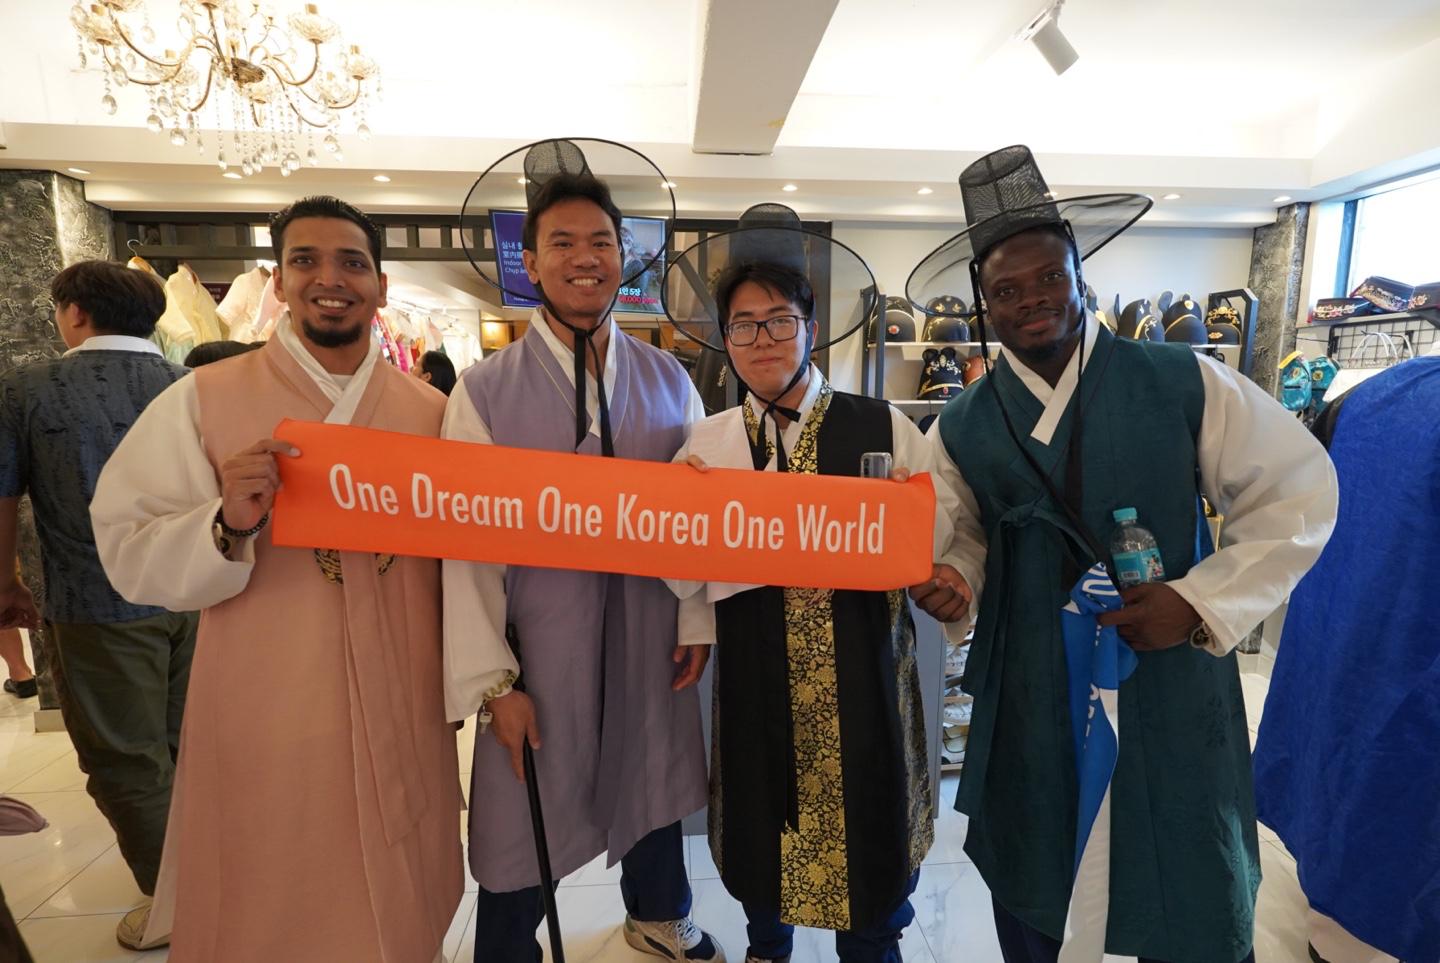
x: 357, y: 489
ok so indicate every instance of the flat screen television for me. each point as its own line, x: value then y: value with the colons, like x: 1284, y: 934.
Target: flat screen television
x: 641, y: 238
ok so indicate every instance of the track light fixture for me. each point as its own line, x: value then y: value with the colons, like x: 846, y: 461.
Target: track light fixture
x: 1044, y: 32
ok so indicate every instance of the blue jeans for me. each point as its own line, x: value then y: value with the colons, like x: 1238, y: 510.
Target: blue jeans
x: 771, y: 939
x: 652, y: 884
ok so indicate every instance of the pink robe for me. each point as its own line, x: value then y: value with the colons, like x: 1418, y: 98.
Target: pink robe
x: 316, y: 805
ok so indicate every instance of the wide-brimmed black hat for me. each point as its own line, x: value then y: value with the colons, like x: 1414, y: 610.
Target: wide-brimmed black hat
x: 846, y: 295
x: 637, y: 186
x: 1004, y: 194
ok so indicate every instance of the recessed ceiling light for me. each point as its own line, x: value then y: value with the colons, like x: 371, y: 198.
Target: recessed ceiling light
x: 232, y: 175
x: 1171, y: 197
x: 789, y: 187
x: 1283, y: 198
x: 925, y: 190
x: 521, y: 180
x: 77, y: 170
x: 668, y: 185
x: 382, y: 178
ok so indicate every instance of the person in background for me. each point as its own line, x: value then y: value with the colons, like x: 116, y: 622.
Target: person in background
x: 1158, y: 427
x: 122, y: 668
x: 1346, y: 771
x: 20, y: 681
x: 436, y: 370
x: 212, y: 351
x: 318, y: 800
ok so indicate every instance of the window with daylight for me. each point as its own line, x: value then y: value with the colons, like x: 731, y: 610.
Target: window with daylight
x: 1395, y: 235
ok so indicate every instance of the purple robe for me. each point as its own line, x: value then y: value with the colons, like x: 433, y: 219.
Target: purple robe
x: 622, y: 754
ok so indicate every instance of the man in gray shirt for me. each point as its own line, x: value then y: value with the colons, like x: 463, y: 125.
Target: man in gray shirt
x: 122, y: 668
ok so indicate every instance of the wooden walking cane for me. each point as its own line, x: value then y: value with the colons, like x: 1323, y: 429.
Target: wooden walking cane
x: 537, y: 825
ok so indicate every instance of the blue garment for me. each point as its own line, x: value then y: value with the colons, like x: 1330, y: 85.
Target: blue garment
x: 1347, y: 769
x: 771, y: 939
x: 1096, y: 659
x: 653, y: 886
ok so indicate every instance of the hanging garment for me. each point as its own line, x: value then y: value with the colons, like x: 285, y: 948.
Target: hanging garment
x: 242, y: 301
x: 184, y: 292
x: 173, y: 334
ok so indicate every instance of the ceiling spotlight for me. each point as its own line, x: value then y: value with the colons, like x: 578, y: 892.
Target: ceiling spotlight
x: 789, y: 187
x: 925, y: 190
x: 1171, y: 197
x: 521, y: 180
x: 382, y: 178
x: 1044, y: 33
x: 668, y: 185
x: 233, y: 175
x: 77, y: 170
x: 1283, y: 199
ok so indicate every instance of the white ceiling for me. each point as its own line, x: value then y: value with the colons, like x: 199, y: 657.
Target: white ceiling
x: 1227, y: 102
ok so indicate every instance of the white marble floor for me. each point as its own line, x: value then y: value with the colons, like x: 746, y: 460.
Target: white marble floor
x: 69, y: 887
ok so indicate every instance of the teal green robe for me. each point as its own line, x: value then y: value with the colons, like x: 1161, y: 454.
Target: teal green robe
x: 1185, y: 863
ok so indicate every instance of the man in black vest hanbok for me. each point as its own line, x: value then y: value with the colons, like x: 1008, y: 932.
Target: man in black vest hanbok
x: 819, y: 783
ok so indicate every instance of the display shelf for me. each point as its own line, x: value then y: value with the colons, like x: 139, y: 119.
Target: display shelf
x: 1427, y: 314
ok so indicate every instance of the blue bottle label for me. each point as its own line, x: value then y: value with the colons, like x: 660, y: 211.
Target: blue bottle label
x: 1133, y: 568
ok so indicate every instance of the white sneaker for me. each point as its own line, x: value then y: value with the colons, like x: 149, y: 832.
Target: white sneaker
x: 673, y: 940
x: 131, y: 931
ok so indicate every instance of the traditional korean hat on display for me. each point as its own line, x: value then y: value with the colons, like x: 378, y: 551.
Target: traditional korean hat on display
x: 637, y: 186
x: 1388, y: 296
x: 1222, y: 325
x: 1182, y: 322
x: 1139, y: 323
x: 845, y: 291
x: 1426, y: 296
x: 1005, y: 194
x: 899, y: 320
x: 948, y: 319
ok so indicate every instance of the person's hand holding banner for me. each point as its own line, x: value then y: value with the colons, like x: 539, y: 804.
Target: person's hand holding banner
x: 357, y: 489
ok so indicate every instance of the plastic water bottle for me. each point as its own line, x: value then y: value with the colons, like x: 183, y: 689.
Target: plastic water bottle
x: 1137, y: 557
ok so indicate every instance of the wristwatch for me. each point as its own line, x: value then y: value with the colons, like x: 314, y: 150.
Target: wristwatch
x: 1201, y: 637
x: 227, y: 537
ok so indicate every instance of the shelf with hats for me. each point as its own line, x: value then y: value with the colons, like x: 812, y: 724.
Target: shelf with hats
x: 1431, y: 315
x: 955, y: 711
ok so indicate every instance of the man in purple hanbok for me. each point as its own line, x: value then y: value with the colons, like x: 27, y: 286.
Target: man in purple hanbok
x: 609, y: 661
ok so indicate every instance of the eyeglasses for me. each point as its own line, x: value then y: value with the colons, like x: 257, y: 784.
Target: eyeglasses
x: 783, y: 328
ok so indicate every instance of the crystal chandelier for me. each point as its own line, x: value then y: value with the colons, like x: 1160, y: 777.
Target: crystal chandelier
x: 270, y: 90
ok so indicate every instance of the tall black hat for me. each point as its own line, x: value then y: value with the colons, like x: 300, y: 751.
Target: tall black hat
x: 637, y: 186
x: 1004, y: 194
x: 846, y: 295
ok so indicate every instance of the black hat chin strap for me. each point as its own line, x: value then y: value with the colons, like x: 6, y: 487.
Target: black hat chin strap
x: 775, y: 411
x: 585, y: 342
